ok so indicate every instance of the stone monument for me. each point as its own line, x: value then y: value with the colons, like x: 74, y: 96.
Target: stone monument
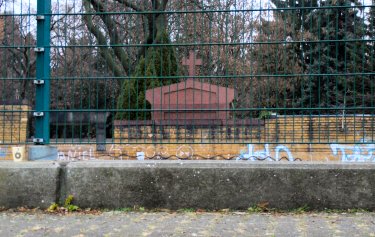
x: 190, y: 100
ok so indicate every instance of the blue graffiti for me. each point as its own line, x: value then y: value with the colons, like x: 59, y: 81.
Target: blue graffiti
x: 3, y: 152
x: 354, y: 153
x: 252, y: 155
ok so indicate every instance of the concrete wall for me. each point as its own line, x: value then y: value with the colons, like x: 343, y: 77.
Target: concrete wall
x: 28, y: 184
x: 193, y: 184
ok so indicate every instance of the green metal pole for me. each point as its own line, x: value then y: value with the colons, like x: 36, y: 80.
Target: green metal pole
x: 42, y: 82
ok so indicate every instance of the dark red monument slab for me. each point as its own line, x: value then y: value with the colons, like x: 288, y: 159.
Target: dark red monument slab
x: 190, y: 99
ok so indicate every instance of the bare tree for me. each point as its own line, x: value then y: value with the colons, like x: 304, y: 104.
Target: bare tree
x: 1, y: 21
x: 106, y: 29
x: 276, y: 80
x: 1, y: 28
x: 17, y: 58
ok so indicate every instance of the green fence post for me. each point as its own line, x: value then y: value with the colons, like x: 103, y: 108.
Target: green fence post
x: 42, y: 82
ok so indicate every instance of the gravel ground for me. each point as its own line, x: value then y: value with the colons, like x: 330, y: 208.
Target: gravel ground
x: 118, y: 223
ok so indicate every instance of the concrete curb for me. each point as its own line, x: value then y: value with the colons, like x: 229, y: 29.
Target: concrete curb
x: 189, y: 184
x: 31, y: 184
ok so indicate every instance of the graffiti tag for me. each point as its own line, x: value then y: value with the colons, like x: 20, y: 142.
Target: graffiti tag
x: 76, y: 154
x: 3, y: 152
x: 354, y: 153
x: 253, y: 155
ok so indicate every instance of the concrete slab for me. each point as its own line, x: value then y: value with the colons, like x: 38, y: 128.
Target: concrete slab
x: 220, y: 184
x: 208, y: 185
x: 30, y: 184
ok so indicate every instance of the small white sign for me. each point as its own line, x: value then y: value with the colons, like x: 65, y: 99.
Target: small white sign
x: 140, y: 156
x: 18, y: 153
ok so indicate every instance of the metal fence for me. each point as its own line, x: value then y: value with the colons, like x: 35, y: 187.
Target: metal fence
x: 192, y: 71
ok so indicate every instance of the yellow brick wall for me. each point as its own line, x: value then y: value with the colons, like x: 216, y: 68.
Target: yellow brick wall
x: 276, y: 136
x: 284, y: 152
x: 283, y: 137
x: 283, y: 129
x: 13, y: 125
x: 13, y: 128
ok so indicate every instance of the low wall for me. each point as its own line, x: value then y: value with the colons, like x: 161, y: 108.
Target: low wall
x: 29, y: 184
x: 13, y: 123
x: 306, y: 138
x: 13, y: 128
x: 282, y: 129
x: 194, y: 184
x: 250, y: 152
x: 325, y: 138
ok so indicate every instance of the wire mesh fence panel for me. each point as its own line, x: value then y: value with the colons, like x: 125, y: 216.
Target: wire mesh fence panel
x: 17, y: 72
x: 192, y: 72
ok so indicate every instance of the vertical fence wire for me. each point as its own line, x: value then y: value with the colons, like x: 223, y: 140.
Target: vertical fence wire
x: 189, y: 72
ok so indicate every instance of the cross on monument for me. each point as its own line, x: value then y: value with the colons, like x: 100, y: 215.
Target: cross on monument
x: 191, y: 62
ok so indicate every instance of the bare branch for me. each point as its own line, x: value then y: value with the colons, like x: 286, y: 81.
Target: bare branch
x: 131, y: 5
x: 105, y: 52
x: 155, y: 4
x: 113, y: 34
x: 153, y: 25
x: 152, y: 28
x: 163, y: 5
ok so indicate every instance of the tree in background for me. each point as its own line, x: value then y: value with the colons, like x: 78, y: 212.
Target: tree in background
x: 277, y: 77
x: 341, y: 51
x: 221, y: 33
x: 150, y: 59
x: 152, y: 71
x: 17, y: 60
x: 297, y: 22
x: 268, y: 60
x: 325, y: 46
x: 180, y: 28
x: 370, y: 59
